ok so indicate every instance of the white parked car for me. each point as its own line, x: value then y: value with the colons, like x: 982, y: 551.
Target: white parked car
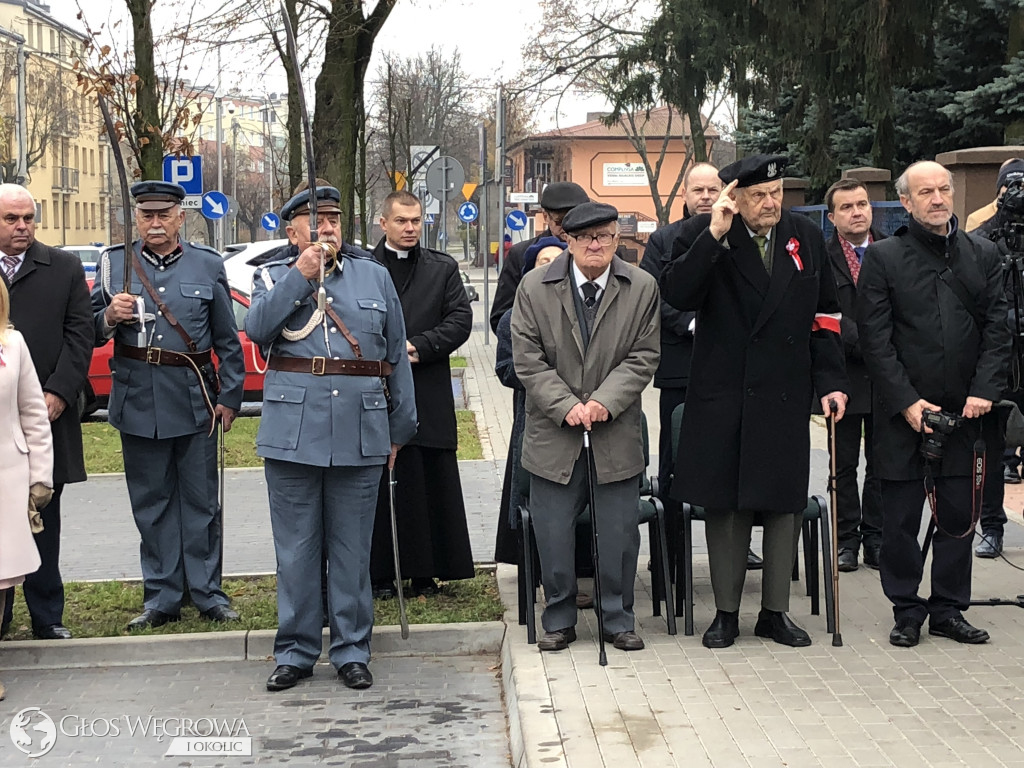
x: 89, y: 254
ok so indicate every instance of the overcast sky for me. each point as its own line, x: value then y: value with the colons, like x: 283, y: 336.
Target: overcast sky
x: 489, y: 35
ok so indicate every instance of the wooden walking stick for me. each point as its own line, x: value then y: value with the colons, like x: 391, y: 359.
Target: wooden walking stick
x: 602, y: 657
x: 837, y: 636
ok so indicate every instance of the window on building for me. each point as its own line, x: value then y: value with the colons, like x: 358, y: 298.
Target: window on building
x: 78, y: 216
x: 53, y: 41
x: 103, y: 215
x: 76, y: 157
x: 56, y: 214
x: 93, y: 224
x: 92, y: 161
x: 42, y: 214
x: 542, y: 169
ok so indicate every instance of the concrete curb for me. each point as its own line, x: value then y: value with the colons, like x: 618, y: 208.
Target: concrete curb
x: 464, y: 639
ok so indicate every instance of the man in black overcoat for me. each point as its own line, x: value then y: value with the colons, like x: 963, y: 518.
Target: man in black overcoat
x: 50, y: 306
x: 433, y: 537
x: 932, y: 319
x: 767, y: 339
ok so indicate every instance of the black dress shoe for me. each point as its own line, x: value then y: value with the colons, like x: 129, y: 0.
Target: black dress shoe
x: 957, y: 628
x: 625, y: 641
x: 355, y: 675
x: 424, y: 587
x: 1010, y: 476
x: 52, y: 632
x: 558, y: 640
x: 723, y: 630
x: 221, y: 613
x: 286, y: 676
x: 991, y: 545
x: 754, y: 563
x: 906, y: 633
x: 151, y: 617
x: 777, y: 626
x: 384, y: 591
x: 847, y: 560
x: 872, y: 555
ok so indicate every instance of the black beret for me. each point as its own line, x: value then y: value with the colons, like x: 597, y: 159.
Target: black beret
x: 588, y: 215
x: 562, y: 195
x: 157, y: 195
x: 755, y: 169
x: 1012, y: 171
x: 328, y: 201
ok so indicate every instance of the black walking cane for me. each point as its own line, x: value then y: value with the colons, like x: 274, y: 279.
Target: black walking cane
x: 591, y: 489
x: 403, y: 619
x: 837, y: 637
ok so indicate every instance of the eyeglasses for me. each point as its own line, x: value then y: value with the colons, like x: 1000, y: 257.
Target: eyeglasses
x: 605, y: 238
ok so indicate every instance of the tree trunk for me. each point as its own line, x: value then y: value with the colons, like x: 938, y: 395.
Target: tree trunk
x: 296, y: 170
x: 146, y: 120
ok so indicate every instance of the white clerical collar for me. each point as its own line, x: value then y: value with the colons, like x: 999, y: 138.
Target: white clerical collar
x: 399, y: 254
x: 601, y: 280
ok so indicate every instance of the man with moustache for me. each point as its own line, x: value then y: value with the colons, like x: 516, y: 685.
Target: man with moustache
x: 767, y: 342
x: 931, y: 314
x: 50, y: 307
x: 859, y: 516
x: 166, y: 396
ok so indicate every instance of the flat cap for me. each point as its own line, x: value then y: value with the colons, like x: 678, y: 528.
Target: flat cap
x: 328, y: 200
x: 1012, y: 171
x: 588, y: 215
x: 157, y: 195
x: 562, y: 195
x: 755, y: 169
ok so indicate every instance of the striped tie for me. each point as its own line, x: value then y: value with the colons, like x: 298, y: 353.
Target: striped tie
x: 11, y: 266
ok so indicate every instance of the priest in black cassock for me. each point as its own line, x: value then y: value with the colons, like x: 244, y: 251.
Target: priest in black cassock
x: 433, y: 539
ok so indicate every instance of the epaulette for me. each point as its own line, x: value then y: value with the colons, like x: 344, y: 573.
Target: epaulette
x: 204, y: 247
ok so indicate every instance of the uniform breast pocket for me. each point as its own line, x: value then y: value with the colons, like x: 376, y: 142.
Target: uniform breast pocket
x: 374, y: 427
x: 282, y: 416
x: 372, y: 313
x: 198, y: 297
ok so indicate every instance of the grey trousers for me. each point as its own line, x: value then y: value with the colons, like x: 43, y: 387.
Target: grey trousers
x: 313, y: 509
x: 728, y: 535
x: 172, y: 485
x: 555, y: 508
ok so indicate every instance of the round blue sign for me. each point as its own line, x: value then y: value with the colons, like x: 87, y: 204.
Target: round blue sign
x: 468, y: 212
x: 215, y: 205
x: 270, y: 221
x: 516, y: 220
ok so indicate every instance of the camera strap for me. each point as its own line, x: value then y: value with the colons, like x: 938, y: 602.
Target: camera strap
x: 956, y: 285
x: 977, y: 491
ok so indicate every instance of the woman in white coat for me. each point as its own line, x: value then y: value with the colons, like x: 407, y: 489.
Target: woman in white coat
x: 26, y: 454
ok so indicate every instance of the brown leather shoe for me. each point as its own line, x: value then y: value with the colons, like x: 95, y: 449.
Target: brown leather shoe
x: 558, y: 640
x: 625, y: 641
x: 583, y: 600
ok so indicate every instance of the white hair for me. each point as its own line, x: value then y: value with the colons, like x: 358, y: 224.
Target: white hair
x: 15, y: 190
x: 903, y: 182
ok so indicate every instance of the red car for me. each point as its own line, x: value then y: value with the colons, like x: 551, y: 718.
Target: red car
x: 255, y: 365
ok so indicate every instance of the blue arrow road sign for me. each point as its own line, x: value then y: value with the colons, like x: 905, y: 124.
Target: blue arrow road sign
x: 468, y: 212
x: 270, y: 221
x: 215, y: 205
x: 516, y: 220
x: 186, y: 171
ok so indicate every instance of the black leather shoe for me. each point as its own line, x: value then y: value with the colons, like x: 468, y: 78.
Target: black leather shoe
x: 906, y: 633
x: 991, y: 545
x: 286, y: 676
x: 52, y: 632
x: 384, y: 591
x: 847, y: 560
x: 1010, y: 476
x: 777, y: 626
x: 625, y: 641
x: 558, y: 640
x: 221, y: 613
x: 872, y: 555
x: 723, y: 630
x: 151, y: 617
x: 355, y: 675
x: 754, y: 563
x: 424, y: 587
x: 957, y: 628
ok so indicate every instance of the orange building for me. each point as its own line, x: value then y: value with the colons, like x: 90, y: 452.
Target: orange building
x: 604, y: 161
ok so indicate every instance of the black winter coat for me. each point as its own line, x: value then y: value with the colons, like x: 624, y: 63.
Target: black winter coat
x: 920, y: 341
x: 438, y: 320
x: 509, y: 279
x: 50, y: 305
x: 763, y: 347
x: 676, y: 336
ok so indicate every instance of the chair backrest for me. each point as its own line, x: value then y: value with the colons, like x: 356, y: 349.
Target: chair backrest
x: 677, y: 425
x: 646, y: 438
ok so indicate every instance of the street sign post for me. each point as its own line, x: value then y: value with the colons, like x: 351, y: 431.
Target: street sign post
x: 186, y: 171
x: 215, y: 205
x: 516, y: 221
x: 445, y: 177
x: 270, y: 221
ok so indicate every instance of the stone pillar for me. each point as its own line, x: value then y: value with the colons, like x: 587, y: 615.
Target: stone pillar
x: 975, y: 172
x: 875, y: 179
x: 794, y: 192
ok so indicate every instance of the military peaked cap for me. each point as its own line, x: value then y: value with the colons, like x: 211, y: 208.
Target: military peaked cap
x: 755, y: 169
x: 562, y: 195
x: 328, y: 201
x: 157, y: 195
x: 588, y: 215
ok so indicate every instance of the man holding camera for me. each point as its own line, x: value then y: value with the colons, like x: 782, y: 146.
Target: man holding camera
x: 932, y: 320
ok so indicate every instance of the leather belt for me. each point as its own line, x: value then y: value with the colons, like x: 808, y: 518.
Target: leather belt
x: 326, y: 366
x: 159, y: 356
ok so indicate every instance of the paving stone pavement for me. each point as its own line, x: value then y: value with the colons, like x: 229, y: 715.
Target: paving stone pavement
x: 430, y: 712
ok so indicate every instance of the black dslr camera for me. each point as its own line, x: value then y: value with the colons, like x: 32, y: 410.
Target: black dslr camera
x: 1011, y: 214
x: 933, y: 445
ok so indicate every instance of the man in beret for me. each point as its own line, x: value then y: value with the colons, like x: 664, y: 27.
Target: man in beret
x: 767, y: 341
x: 337, y: 405
x: 585, y: 338
x: 166, y: 396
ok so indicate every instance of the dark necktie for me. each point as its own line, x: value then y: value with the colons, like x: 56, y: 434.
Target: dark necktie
x: 761, y: 241
x: 590, y: 290
x: 859, y: 250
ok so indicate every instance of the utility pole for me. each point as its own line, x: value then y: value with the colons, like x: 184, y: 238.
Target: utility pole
x: 483, y: 240
x: 234, y: 178
x: 268, y: 157
x: 218, y: 225
x: 499, y: 171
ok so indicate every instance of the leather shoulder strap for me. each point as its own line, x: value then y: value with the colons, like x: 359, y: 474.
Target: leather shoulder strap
x: 352, y: 341
x: 161, y: 306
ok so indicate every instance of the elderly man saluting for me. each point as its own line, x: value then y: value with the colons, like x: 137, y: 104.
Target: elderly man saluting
x: 767, y: 339
x: 585, y: 339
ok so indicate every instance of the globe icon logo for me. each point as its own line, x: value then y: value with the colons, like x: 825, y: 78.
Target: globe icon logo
x: 33, y: 732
